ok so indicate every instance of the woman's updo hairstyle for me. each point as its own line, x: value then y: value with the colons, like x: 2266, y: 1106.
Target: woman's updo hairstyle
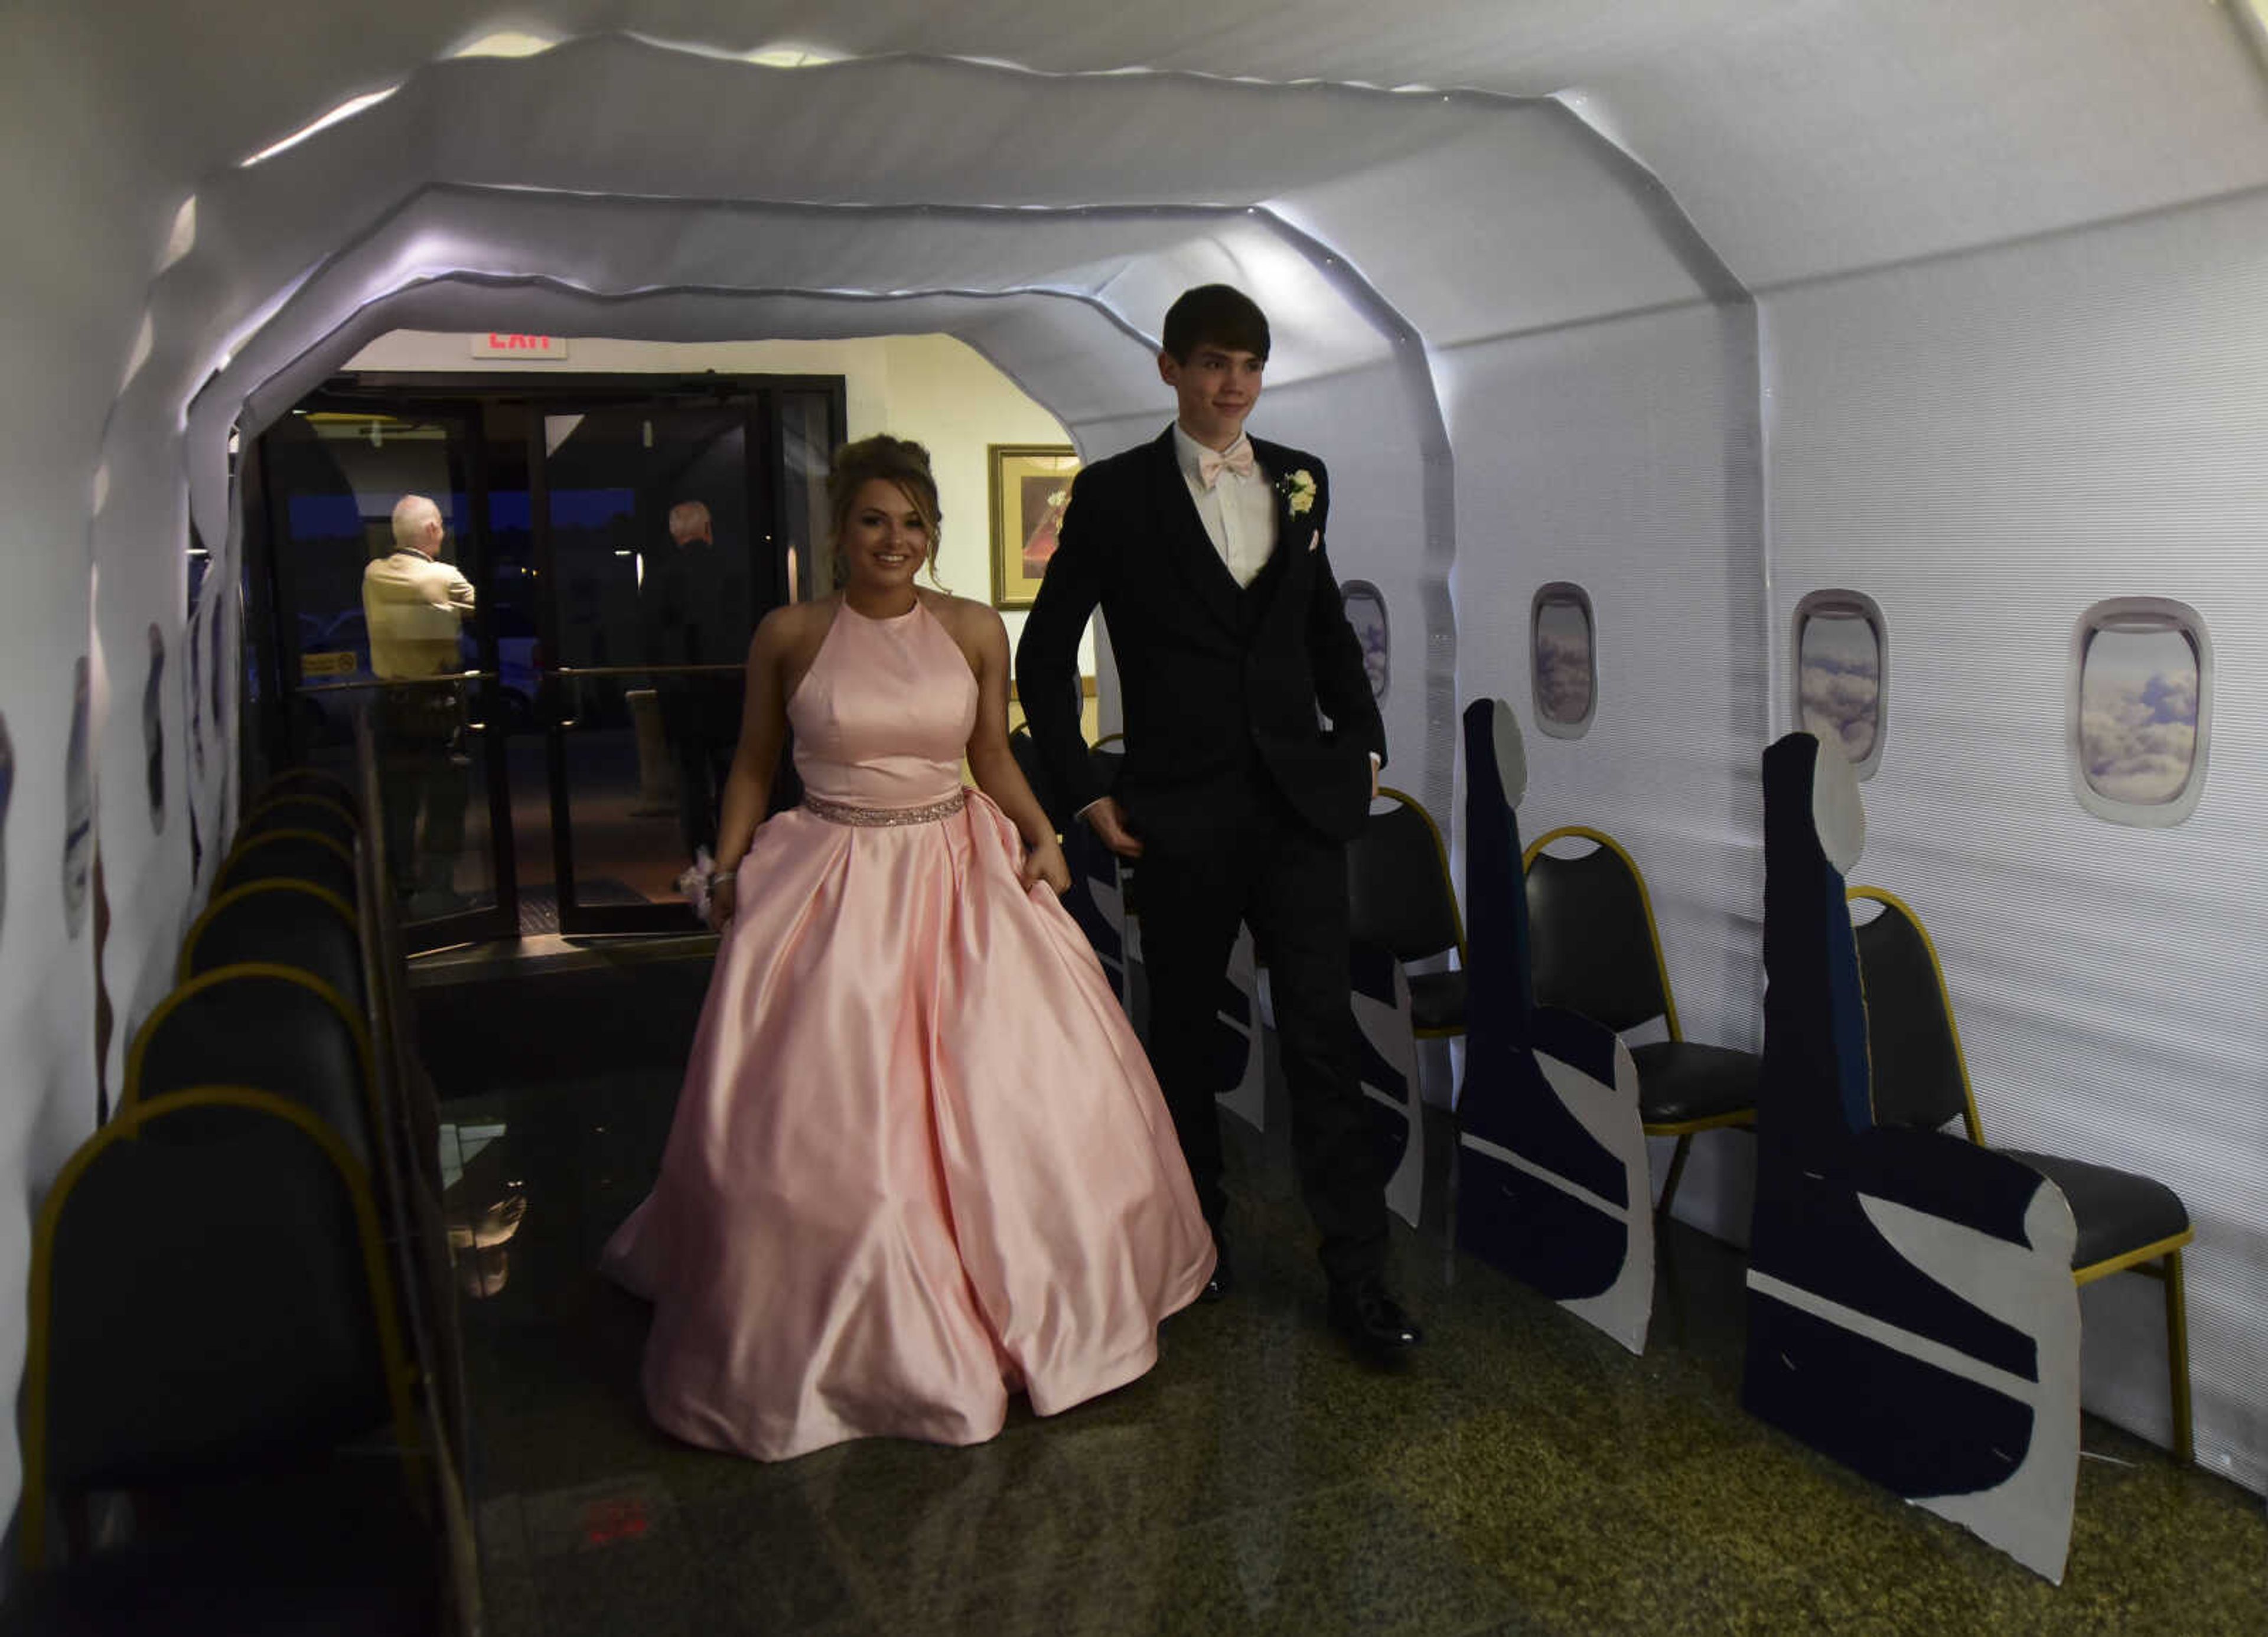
x: 897, y: 460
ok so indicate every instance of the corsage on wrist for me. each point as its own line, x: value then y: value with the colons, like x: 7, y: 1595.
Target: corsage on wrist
x: 699, y: 886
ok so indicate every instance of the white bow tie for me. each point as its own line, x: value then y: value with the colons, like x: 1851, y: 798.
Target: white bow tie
x: 1236, y: 458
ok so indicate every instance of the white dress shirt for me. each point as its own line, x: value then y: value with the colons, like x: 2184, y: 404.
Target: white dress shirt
x: 413, y: 605
x: 1239, y: 513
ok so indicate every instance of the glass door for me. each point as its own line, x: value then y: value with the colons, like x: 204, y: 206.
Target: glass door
x: 655, y: 546
x: 368, y: 628
x: 556, y: 762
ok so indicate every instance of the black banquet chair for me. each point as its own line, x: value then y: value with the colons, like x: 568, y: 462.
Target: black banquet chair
x: 1597, y: 952
x: 266, y: 1025
x: 292, y: 923
x: 1402, y: 896
x: 303, y: 780
x: 227, y: 1240
x: 303, y: 810
x: 2126, y: 1222
x: 290, y: 856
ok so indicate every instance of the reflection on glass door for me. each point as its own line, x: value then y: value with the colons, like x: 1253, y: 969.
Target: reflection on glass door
x: 557, y: 760
x: 370, y: 628
x: 809, y: 421
x: 654, y: 544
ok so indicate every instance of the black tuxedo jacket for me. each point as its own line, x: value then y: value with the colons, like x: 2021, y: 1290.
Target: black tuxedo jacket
x: 1218, y: 682
x: 694, y: 609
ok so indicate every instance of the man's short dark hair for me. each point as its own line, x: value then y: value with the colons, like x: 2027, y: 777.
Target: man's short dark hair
x: 1215, y: 315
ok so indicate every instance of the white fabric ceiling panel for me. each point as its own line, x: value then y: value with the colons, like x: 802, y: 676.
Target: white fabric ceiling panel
x: 655, y: 245
x: 2041, y: 428
x: 776, y: 135
x: 1807, y: 139
x: 614, y: 114
x: 1802, y: 138
x: 1534, y: 230
x: 626, y: 244
x: 1061, y: 352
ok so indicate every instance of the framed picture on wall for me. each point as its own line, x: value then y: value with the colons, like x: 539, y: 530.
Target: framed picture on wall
x: 1031, y: 486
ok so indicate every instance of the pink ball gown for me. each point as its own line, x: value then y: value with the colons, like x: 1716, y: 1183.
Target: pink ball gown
x: 920, y: 1161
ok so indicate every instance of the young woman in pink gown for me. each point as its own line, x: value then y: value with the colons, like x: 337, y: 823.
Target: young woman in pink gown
x: 920, y: 1161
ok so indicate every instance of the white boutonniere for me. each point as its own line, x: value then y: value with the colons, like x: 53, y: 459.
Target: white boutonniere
x: 1299, y: 491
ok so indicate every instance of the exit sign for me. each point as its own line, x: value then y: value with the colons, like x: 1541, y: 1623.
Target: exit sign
x: 494, y: 344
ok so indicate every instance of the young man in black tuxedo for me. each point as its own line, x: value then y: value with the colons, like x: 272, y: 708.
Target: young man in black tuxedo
x: 1205, y: 549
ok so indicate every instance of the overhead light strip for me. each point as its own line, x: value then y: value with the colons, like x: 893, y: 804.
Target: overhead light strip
x: 508, y: 43
x: 346, y: 110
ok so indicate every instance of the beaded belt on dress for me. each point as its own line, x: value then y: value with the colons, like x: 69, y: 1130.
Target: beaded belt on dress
x: 841, y: 812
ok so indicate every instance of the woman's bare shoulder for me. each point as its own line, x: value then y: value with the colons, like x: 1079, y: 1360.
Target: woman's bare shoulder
x: 793, y: 622
x: 961, y: 615
x: 788, y: 636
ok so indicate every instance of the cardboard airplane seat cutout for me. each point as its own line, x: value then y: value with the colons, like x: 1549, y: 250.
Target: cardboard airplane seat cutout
x: 1552, y: 1174
x: 1911, y: 1311
x: 1386, y: 1063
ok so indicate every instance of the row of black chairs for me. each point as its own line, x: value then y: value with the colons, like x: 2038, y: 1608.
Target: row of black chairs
x: 243, y: 1349
x: 1595, y: 948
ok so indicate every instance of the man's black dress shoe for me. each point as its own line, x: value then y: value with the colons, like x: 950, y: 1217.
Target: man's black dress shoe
x: 1374, y: 1321
x: 1223, y: 1278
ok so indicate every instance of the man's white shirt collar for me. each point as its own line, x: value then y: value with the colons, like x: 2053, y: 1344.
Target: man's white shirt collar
x: 1188, y: 452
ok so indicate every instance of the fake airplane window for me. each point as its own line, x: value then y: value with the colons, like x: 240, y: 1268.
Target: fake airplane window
x: 1565, y: 671
x: 1842, y: 671
x: 1366, y: 612
x: 2141, y: 709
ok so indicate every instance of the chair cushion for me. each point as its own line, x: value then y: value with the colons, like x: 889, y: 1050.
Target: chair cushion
x: 1437, y: 1000
x: 1682, y: 1080
x: 2117, y: 1211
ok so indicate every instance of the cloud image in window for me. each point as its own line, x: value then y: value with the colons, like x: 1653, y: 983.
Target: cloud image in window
x: 1840, y: 679
x: 2137, y: 712
x: 1563, y: 661
x: 1365, y: 612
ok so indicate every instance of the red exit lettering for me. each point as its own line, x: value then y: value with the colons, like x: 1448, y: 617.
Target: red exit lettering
x: 498, y: 344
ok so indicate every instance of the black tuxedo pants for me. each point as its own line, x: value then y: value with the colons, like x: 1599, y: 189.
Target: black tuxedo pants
x: 1263, y: 864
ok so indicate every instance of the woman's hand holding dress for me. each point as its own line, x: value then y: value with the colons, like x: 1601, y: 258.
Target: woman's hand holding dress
x: 1046, y: 862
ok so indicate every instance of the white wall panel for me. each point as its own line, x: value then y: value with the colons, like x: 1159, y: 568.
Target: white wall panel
x: 70, y: 292
x: 1359, y: 425
x: 1621, y: 455
x: 1987, y: 445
